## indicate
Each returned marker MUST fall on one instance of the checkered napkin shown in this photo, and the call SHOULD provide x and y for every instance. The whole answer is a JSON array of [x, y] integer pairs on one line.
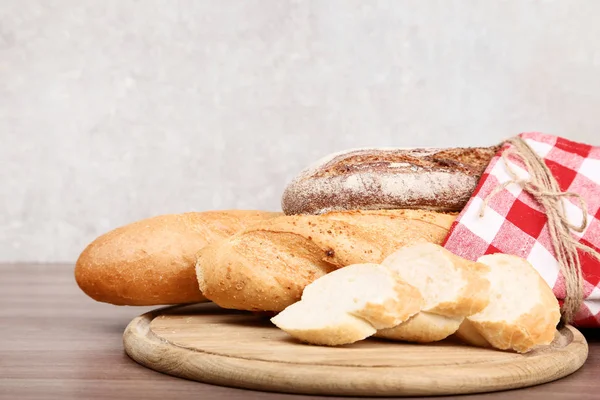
[[515, 223]]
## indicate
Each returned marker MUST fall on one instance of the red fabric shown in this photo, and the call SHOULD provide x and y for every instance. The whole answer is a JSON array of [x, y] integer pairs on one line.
[[514, 222]]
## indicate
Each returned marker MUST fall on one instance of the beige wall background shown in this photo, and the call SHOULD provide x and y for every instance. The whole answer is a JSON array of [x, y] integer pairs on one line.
[[112, 111]]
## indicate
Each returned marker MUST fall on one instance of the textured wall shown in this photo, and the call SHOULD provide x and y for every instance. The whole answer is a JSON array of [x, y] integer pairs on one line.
[[111, 111]]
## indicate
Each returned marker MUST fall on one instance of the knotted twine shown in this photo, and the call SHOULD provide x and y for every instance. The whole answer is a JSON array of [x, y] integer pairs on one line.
[[545, 190]]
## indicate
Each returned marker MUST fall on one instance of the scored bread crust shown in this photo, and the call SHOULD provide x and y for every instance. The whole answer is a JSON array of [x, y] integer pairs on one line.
[[267, 266], [437, 179], [152, 261], [423, 327]]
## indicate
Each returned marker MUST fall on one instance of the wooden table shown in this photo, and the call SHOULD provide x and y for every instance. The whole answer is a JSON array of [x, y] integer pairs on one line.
[[57, 343]]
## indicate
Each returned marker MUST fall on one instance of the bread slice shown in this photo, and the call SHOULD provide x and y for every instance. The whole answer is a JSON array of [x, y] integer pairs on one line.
[[304, 323], [451, 285], [350, 304], [523, 312], [423, 327], [452, 288]]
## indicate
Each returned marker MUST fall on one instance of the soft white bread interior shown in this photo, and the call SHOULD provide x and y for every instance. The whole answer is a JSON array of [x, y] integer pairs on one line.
[[350, 304], [452, 288], [523, 312]]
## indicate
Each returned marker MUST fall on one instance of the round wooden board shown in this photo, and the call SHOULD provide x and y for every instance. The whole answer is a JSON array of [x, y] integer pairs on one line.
[[223, 347]]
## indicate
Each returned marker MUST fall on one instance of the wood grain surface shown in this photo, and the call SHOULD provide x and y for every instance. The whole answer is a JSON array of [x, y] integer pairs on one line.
[[209, 344], [58, 344]]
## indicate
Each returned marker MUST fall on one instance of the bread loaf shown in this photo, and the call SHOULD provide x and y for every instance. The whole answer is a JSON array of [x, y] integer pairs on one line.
[[151, 262], [366, 179], [452, 288], [523, 312], [348, 305], [266, 267]]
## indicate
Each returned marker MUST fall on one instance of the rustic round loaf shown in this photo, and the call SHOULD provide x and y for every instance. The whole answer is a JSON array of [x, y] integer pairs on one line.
[[434, 179]]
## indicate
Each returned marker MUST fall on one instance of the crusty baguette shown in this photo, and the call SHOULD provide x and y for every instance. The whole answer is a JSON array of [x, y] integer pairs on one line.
[[266, 267], [348, 305], [436, 179], [453, 288], [151, 262], [523, 312]]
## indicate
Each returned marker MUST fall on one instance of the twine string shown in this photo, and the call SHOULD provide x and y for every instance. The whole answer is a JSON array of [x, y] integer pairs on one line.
[[544, 188]]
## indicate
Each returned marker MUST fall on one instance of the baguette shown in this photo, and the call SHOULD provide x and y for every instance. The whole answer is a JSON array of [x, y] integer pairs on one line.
[[523, 312], [434, 179], [266, 267], [349, 305], [151, 261]]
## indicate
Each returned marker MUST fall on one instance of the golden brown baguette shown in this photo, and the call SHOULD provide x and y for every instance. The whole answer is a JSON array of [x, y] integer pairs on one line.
[[266, 267], [151, 262]]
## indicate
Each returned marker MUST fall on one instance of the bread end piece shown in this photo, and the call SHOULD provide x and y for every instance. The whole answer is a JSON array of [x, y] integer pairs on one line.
[[523, 312], [151, 261]]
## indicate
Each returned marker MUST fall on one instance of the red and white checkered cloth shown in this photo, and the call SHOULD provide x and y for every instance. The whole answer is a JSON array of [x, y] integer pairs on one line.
[[514, 222]]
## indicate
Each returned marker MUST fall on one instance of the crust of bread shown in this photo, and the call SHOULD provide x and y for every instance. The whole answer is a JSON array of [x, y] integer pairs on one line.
[[151, 261], [534, 328], [393, 312], [259, 271], [376, 178], [468, 334], [423, 327], [266, 267], [475, 295]]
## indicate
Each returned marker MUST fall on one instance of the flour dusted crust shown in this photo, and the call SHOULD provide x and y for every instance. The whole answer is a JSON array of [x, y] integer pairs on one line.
[[387, 178]]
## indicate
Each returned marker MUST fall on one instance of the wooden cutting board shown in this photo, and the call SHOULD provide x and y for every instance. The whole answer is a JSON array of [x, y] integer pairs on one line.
[[229, 348]]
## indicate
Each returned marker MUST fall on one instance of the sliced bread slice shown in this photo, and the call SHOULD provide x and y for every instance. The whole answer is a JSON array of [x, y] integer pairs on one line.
[[350, 304], [312, 323], [451, 285], [452, 288], [523, 312], [423, 327]]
